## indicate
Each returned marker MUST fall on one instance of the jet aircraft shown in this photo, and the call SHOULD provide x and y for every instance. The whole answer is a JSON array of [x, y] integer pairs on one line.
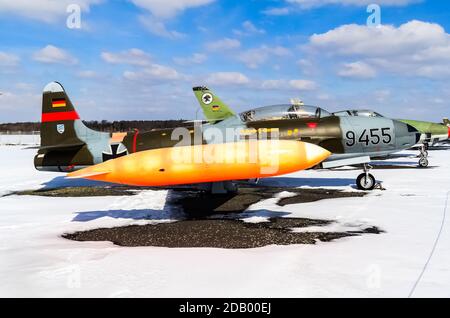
[[152, 158]]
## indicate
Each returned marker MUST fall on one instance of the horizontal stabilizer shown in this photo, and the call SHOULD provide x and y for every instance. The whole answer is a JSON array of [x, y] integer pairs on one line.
[[62, 146]]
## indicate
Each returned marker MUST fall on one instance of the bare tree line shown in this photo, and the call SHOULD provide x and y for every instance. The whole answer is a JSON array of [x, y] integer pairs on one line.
[[103, 125]]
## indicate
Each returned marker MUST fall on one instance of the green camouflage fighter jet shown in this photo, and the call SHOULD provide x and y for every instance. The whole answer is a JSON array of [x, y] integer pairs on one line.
[[352, 140], [431, 133]]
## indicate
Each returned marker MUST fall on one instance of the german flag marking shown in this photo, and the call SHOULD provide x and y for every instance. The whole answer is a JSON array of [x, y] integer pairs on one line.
[[60, 102], [215, 107]]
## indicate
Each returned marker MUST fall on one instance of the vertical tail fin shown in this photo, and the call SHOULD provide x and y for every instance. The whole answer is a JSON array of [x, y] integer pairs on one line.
[[60, 123], [58, 117], [65, 141], [213, 108]]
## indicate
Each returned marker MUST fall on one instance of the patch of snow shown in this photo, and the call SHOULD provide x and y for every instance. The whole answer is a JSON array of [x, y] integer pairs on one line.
[[36, 261]]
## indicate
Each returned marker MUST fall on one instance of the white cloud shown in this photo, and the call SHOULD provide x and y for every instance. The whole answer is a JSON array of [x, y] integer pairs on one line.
[[385, 40], [169, 8], [223, 44], [414, 48], [161, 10], [293, 84], [248, 28], [7, 59], [253, 58], [273, 84], [27, 101], [158, 27], [382, 95], [155, 72], [54, 55], [132, 57], [358, 70], [277, 11], [43, 10], [306, 66], [303, 85], [87, 74], [295, 5], [146, 68], [305, 4], [24, 86], [196, 58], [324, 97], [227, 78]]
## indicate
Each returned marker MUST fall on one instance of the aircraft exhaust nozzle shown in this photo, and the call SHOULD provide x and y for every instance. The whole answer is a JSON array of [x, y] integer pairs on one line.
[[207, 163]]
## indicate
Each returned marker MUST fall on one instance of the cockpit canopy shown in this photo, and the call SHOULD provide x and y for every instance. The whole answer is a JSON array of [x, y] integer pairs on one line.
[[285, 111], [358, 112]]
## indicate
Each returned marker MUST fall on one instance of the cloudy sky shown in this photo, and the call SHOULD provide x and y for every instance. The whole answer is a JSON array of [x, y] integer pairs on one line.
[[138, 59]]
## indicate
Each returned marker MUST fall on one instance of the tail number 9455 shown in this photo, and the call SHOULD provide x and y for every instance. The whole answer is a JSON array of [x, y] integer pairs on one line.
[[373, 136]]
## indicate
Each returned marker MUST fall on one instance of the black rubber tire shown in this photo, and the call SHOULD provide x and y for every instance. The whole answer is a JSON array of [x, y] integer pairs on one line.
[[364, 184], [423, 162]]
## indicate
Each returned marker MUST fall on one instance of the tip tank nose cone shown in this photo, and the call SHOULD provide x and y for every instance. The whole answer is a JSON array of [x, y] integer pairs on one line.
[[315, 154]]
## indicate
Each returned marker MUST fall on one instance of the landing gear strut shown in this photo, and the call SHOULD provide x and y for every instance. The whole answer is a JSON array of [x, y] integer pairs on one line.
[[366, 181], [423, 161]]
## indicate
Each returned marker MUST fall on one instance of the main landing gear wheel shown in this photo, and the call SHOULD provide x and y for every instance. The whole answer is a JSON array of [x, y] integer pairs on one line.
[[365, 181], [423, 162]]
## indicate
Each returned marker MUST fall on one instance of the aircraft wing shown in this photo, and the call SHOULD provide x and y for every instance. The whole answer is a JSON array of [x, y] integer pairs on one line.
[[345, 162]]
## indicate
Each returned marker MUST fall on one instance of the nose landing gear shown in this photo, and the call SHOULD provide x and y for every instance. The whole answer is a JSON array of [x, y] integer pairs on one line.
[[423, 161], [366, 181]]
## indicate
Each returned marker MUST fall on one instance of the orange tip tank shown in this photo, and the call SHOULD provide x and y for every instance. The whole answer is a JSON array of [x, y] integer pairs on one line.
[[207, 163]]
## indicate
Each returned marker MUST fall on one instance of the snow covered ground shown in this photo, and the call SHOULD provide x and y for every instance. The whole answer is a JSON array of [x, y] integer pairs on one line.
[[19, 139], [36, 261]]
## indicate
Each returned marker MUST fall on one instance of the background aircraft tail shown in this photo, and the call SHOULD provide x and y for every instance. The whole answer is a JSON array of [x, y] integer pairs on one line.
[[213, 108]]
